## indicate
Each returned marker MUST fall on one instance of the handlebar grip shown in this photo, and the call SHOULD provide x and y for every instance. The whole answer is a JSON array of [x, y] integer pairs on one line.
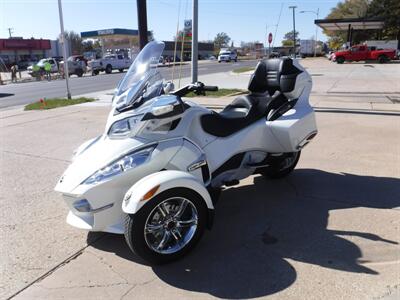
[[210, 88]]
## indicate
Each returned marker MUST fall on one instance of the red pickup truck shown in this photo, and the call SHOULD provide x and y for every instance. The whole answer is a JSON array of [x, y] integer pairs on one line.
[[362, 52]]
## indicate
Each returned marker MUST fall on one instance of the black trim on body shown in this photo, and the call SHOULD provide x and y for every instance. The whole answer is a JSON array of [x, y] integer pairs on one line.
[[231, 164]]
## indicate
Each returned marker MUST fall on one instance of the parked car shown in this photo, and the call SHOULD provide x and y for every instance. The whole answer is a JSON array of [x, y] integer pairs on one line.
[[274, 55], [77, 65], [109, 63], [363, 53], [227, 55], [51, 60]]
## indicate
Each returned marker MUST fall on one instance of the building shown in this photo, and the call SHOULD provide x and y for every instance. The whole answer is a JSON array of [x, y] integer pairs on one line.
[[127, 40], [205, 49], [116, 40], [21, 51]]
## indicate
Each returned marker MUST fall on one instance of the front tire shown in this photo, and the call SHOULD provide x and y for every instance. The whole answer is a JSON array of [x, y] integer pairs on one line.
[[108, 69], [281, 166], [168, 226]]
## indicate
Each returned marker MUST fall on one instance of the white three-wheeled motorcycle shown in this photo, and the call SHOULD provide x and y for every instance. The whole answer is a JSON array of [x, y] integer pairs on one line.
[[155, 172]]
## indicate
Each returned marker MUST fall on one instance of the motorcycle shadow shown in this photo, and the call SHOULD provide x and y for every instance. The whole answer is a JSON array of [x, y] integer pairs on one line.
[[259, 226]]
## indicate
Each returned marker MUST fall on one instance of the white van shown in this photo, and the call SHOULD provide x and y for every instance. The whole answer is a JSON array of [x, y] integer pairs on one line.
[[227, 55]]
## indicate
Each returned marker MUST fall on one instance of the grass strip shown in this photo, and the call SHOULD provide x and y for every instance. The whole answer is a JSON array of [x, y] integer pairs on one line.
[[56, 102]]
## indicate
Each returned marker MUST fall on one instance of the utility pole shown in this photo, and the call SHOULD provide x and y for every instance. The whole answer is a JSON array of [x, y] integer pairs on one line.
[[142, 22], [10, 31], [294, 30], [66, 73], [195, 39]]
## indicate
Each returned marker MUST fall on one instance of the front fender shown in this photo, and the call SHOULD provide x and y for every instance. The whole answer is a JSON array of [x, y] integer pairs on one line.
[[166, 180]]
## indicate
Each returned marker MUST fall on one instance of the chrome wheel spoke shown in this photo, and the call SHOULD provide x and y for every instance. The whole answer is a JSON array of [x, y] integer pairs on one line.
[[163, 209], [152, 228], [181, 209], [187, 223], [176, 234], [164, 240]]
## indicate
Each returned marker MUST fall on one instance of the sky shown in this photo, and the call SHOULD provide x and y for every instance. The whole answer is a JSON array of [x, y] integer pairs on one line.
[[242, 20]]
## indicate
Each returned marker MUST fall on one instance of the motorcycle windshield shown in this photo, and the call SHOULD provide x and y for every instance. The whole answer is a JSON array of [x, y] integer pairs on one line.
[[142, 78]]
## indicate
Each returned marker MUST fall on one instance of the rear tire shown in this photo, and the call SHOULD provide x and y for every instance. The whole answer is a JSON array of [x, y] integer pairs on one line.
[[149, 217], [340, 60], [79, 73], [383, 59], [281, 166]]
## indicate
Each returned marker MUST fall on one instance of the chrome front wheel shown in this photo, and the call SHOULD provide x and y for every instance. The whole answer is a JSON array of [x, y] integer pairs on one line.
[[167, 226], [171, 225]]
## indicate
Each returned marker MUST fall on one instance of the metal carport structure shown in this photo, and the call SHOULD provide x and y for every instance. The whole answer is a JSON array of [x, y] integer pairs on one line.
[[350, 24]]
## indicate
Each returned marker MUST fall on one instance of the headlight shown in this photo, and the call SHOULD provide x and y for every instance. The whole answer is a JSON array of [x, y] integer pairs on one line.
[[122, 127], [123, 164]]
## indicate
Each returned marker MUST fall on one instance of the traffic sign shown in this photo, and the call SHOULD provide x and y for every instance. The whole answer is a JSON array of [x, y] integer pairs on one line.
[[188, 25], [270, 38]]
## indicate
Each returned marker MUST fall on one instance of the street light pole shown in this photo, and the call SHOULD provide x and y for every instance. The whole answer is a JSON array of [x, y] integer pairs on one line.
[[316, 28], [66, 73], [195, 40], [294, 30]]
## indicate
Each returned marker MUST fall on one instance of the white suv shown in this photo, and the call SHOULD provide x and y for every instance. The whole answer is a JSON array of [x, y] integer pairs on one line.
[[227, 56]]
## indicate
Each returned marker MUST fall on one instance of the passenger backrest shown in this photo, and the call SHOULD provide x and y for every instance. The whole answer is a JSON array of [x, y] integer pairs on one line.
[[271, 75]]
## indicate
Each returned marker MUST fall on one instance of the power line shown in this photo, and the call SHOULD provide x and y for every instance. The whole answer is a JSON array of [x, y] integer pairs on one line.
[[277, 25]]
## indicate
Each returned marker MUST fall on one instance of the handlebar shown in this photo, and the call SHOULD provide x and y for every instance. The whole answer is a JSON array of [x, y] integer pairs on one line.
[[198, 88]]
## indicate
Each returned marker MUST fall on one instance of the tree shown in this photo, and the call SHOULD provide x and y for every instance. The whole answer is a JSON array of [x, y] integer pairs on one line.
[[288, 38], [221, 40], [75, 41], [389, 11]]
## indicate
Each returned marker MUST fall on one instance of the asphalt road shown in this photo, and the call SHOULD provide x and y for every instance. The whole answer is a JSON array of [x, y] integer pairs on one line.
[[21, 94]]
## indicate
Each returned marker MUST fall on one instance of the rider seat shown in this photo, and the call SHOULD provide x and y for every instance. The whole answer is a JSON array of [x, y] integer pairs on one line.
[[266, 93]]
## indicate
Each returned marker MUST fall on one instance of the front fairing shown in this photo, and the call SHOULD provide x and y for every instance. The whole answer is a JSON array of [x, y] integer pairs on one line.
[[142, 83], [98, 154]]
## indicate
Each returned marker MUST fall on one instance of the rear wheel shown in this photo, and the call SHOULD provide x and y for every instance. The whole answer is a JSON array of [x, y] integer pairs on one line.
[[382, 59], [120, 70], [167, 226], [79, 73], [281, 166], [340, 60]]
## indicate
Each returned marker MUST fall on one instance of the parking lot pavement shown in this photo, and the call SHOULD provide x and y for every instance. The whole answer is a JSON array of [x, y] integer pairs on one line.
[[328, 231]]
